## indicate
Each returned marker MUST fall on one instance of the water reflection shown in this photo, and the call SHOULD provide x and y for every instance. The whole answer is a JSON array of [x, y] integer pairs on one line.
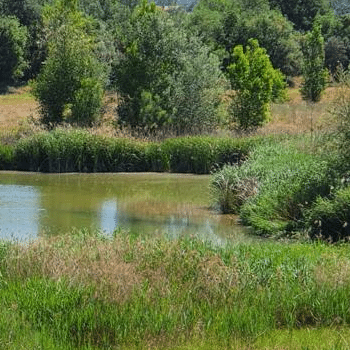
[[174, 205], [109, 216], [20, 211]]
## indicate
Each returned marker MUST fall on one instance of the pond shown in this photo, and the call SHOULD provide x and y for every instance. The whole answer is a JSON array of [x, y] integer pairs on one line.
[[34, 204]]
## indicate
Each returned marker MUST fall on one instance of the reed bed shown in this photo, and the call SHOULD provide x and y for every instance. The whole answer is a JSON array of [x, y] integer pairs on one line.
[[78, 150]]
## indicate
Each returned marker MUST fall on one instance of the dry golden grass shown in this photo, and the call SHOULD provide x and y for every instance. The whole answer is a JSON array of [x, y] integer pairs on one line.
[[333, 272], [114, 267], [19, 115], [297, 116], [90, 262]]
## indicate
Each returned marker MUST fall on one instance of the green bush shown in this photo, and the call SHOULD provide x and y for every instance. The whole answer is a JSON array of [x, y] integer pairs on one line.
[[168, 78], [256, 84], [70, 85], [271, 189], [329, 218], [13, 44]]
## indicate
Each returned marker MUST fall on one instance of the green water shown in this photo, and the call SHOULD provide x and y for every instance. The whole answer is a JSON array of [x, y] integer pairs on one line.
[[33, 204]]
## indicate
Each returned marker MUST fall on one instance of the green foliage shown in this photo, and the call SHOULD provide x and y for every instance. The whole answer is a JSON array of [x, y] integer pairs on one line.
[[202, 154], [335, 54], [273, 32], [314, 74], [256, 84], [168, 77], [78, 150], [13, 44], [329, 218], [236, 291], [271, 189], [6, 157], [71, 74], [231, 187], [27, 11], [302, 13]]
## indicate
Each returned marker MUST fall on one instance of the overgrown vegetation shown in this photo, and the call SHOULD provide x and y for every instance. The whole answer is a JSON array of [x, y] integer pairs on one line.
[[128, 291], [75, 150]]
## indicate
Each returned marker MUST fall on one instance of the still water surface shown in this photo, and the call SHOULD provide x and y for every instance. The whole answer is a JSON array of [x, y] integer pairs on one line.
[[33, 204]]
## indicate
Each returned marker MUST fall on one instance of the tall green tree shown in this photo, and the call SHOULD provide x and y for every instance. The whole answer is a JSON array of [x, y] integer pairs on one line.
[[256, 84], [167, 76], [13, 44], [302, 13], [273, 31], [70, 85], [315, 76]]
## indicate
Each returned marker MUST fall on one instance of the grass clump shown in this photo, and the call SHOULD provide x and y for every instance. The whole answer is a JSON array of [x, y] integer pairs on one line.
[[89, 291], [202, 154]]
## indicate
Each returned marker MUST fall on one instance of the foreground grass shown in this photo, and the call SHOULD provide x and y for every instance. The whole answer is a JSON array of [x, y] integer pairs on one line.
[[91, 292]]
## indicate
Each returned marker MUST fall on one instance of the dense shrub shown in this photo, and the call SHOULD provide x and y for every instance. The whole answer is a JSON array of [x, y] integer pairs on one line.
[[283, 181], [168, 78], [329, 218], [272, 30], [13, 44], [256, 84], [70, 85]]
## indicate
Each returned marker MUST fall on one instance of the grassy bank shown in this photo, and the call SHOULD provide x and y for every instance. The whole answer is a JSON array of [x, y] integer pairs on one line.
[[76, 150], [274, 190], [88, 291]]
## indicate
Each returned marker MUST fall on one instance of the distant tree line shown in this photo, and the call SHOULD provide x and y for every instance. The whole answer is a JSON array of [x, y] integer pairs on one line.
[[170, 68]]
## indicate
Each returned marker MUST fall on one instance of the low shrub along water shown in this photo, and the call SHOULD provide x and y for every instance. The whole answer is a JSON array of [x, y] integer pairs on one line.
[[272, 189], [88, 290], [330, 217]]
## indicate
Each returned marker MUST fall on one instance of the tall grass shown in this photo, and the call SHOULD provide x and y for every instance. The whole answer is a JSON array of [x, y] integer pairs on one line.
[[77, 150], [88, 291], [274, 186]]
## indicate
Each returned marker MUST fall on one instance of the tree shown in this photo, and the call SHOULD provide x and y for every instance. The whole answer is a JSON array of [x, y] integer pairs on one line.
[[13, 43], [315, 76], [167, 77], [273, 32], [70, 85], [256, 83], [301, 12]]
